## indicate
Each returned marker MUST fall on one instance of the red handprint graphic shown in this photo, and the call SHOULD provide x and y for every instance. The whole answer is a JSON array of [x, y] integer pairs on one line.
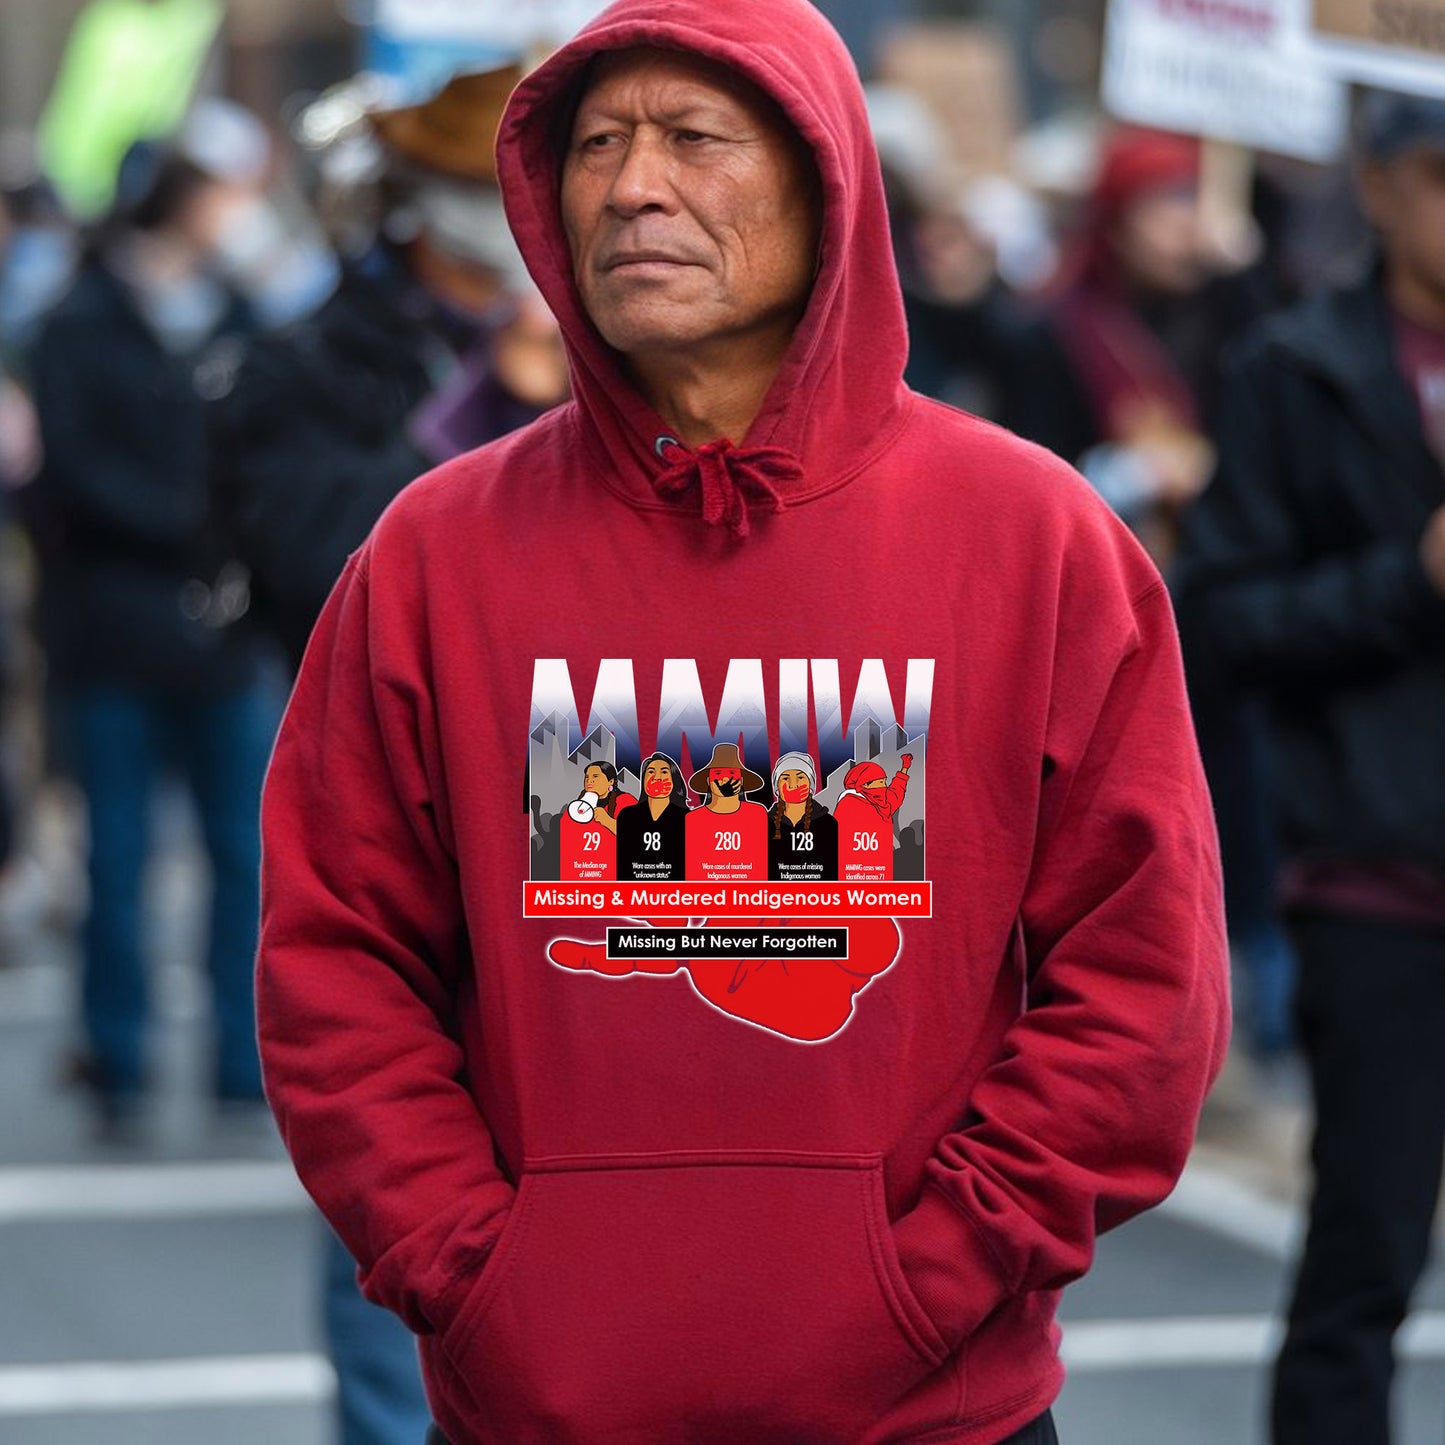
[[803, 999]]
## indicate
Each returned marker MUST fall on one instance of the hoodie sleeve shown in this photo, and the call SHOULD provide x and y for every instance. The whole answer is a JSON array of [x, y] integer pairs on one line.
[[1088, 1112], [363, 944]]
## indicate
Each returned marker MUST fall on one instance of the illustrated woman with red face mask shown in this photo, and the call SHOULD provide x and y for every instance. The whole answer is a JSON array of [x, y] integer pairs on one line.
[[652, 837], [802, 833]]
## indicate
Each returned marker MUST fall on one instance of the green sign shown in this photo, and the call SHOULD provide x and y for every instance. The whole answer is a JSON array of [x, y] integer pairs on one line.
[[129, 73]]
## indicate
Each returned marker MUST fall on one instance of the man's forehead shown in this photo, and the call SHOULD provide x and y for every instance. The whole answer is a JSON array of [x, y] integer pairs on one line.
[[688, 78]]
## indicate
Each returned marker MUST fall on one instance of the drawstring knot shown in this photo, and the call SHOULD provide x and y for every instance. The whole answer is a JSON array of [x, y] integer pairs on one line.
[[727, 476]]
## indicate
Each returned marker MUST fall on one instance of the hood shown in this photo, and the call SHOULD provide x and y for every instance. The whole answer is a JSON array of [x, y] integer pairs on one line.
[[858, 777], [838, 399]]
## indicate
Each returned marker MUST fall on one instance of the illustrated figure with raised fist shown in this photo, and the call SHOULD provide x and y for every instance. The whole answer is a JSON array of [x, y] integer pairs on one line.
[[865, 815]]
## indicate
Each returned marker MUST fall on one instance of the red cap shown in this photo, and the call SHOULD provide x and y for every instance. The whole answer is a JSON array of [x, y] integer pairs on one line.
[[1136, 163]]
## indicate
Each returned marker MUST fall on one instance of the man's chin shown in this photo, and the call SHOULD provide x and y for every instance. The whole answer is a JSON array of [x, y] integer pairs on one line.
[[656, 319]]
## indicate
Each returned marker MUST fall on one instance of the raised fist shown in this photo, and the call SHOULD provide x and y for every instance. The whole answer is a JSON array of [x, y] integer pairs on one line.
[[907, 761]]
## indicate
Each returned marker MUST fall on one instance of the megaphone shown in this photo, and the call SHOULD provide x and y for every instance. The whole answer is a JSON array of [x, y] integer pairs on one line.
[[580, 810]]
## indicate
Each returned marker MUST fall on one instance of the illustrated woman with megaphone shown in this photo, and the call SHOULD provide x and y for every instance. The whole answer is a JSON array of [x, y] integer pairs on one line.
[[600, 799], [589, 828]]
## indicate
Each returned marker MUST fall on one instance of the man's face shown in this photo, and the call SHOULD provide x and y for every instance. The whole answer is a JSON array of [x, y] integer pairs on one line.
[[876, 783], [1405, 198], [690, 207]]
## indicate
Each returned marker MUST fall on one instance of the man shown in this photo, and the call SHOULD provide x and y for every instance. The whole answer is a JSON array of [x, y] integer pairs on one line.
[[701, 1194], [1316, 564]]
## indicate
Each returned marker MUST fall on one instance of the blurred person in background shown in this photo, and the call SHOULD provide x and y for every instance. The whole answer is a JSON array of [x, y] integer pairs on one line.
[[39, 249], [1120, 377], [33, 276], [142, 612], [1120, 362], [1316, 560], [432, 344], [965, 329], [270, 249], [19, 458]]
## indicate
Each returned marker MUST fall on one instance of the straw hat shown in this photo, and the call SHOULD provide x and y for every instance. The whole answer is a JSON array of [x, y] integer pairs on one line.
[[724, 755], [455, 132]]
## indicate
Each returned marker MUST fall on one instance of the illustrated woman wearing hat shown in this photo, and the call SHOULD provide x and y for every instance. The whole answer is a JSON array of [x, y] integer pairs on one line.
[[727, 838]]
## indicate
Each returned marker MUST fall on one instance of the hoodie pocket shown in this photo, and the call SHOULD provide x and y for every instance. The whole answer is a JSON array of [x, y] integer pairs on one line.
[[675, 1297]]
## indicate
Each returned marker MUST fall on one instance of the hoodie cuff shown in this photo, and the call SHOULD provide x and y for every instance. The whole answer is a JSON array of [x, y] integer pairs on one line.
[[428, 1298], [953, 1273]]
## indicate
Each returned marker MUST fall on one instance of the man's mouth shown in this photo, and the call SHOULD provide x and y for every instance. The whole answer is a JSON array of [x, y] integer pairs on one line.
[[643, 258]]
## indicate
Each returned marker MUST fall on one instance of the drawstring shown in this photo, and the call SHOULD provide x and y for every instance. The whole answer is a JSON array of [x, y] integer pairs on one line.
[[726, 476]]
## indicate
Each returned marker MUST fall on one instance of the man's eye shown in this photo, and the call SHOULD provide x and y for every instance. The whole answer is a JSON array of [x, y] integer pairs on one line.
[[596, 142], [691, 137]]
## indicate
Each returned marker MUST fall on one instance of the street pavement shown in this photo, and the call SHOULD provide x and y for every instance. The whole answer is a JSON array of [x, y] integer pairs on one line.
[[171, 1293]]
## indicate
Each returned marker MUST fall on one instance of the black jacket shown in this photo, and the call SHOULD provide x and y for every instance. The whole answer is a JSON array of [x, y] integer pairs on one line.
[[310, 440], [1301, 568], [121, 510], [652, 850]]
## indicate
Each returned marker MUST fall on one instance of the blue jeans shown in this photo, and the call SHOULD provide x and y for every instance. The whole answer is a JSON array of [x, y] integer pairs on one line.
[[380, 1399], [121, 737]]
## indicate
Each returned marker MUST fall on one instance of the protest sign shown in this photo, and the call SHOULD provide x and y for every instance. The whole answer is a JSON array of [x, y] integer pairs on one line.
[[1230, 70]]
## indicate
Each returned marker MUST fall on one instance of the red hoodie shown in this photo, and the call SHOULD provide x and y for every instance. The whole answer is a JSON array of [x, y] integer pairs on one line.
[[720, 1161]]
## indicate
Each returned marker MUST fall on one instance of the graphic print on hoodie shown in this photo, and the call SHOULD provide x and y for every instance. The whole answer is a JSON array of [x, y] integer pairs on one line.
[[805, 933], [640, 1208]]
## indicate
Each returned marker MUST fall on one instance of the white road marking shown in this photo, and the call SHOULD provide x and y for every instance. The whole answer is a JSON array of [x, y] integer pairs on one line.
[[1096, 1346], [46, 993], [104, 1386], [1090, 1347], [73, 1193], [1212, 1200]]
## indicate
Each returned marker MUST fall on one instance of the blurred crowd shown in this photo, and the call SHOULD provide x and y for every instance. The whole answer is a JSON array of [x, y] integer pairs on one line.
[[220, 364], [217, 371]]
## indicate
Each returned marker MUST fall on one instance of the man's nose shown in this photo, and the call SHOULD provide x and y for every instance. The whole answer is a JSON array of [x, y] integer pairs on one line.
[[643, 180]]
